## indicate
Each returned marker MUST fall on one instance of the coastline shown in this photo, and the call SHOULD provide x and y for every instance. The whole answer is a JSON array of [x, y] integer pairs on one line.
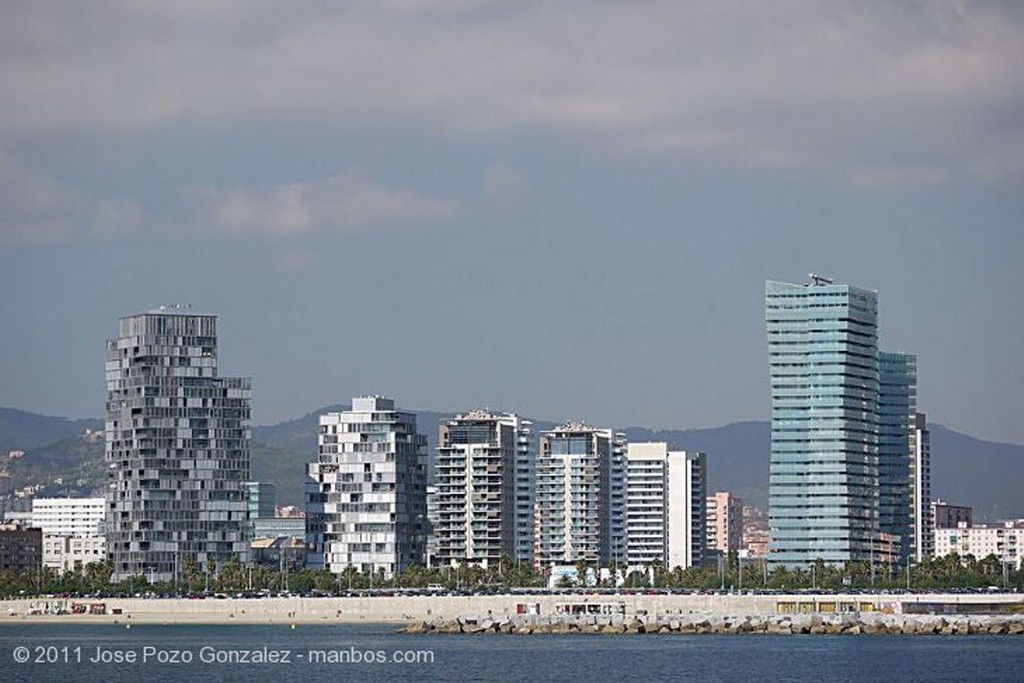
[[405, 610]]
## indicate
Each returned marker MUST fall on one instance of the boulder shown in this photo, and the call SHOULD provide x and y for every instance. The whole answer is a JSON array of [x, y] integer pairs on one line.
[[417, 627]]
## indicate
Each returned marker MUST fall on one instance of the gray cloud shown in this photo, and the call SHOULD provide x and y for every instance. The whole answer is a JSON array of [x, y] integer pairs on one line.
[[37, 209], [898, 91], [344, 203]]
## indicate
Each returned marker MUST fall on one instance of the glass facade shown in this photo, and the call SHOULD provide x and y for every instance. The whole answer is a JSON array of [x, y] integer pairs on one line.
[[823, 357]]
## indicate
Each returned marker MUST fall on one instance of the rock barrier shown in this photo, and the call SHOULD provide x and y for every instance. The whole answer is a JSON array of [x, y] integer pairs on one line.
[[858, 623]]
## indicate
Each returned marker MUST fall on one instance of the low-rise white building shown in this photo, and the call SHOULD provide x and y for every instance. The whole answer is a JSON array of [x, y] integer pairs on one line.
[[63, 553], [1005, 540], [72, 531], [69, 516]]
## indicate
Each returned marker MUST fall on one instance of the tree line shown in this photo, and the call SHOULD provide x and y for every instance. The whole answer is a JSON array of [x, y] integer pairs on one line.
[[950, 572]]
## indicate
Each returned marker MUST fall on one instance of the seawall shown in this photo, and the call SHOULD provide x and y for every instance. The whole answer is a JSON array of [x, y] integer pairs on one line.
[[406, 609]]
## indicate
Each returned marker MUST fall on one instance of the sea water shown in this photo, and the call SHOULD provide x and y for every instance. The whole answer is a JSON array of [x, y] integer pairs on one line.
[[284, 654]]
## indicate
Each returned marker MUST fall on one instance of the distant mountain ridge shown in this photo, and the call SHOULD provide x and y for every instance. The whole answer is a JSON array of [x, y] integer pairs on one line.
[[965, 470], [22, 430]]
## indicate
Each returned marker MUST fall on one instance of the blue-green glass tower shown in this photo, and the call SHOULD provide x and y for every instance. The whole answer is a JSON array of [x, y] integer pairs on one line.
[[823, 356], [897, 426]]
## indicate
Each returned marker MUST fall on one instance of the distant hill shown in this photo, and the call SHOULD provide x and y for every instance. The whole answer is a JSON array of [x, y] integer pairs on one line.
[[22, 430], [985, 474], [965, 470]]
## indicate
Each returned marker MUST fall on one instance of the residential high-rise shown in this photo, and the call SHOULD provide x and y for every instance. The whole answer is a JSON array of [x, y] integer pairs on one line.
[[664, 506], [921, 496], [366, 495], [823, 355], [580, 496], [526, 490], [897, 431], [480, 478], [724, 522], [177, 448]]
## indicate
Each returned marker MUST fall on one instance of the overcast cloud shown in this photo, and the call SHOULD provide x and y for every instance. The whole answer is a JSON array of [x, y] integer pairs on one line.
[[568, 208], [871, 93]]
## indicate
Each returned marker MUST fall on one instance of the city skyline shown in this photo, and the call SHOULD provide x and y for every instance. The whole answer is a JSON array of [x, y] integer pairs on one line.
[[593, 194]]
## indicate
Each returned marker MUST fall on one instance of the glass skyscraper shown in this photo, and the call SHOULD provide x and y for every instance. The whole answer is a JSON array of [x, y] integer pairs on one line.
[[823, 356]]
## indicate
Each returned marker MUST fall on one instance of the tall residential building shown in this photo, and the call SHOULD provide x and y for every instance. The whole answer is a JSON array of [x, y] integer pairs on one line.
[[526, 490], [823, 355], [665, 493], [177, 448], [580, 496], [724, 522], [921, 496], [483, 475], [897, 431], [366, 495]]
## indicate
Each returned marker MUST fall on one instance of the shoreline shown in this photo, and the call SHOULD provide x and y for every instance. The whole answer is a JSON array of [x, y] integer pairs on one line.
[[405, 610]]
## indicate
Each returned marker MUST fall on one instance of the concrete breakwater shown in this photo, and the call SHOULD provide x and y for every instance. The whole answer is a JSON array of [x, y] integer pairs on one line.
[[694, 624]]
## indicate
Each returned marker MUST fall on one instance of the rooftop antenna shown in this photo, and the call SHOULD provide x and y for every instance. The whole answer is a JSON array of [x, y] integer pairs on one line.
[[818, 280]]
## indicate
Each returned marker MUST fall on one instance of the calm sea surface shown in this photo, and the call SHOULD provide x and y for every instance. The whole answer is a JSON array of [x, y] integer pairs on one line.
[[326, 653]]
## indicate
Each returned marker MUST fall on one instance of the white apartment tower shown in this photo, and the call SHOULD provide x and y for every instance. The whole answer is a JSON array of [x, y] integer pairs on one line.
[[664, 506], [483, 475], [580, 496], [177, 448], [366, 495]]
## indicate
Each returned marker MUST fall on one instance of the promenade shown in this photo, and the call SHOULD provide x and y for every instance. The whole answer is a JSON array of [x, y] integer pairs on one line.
[[405, 609]]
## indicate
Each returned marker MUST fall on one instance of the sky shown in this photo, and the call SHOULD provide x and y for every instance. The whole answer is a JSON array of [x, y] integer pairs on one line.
[[567, 209]]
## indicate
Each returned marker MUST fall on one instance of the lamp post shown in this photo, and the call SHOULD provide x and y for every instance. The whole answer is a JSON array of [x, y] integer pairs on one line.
[[872, 560]]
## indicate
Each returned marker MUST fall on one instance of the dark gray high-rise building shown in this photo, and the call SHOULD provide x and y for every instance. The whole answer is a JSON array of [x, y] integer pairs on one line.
[[897, 435], [177, 448]]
